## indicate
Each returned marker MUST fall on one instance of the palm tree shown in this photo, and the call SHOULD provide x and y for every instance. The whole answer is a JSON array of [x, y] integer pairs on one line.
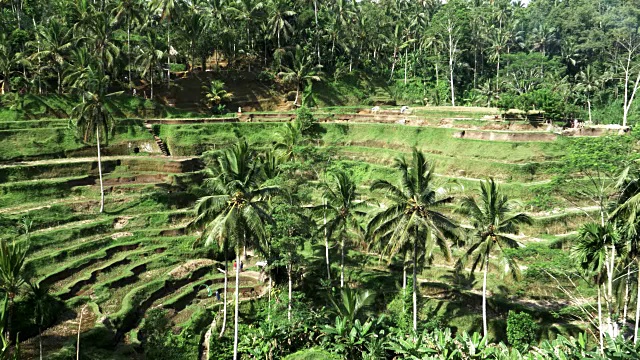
[[40, 299], [12, 276], [412, 216], [492, 220], [167, 9], [94, 113], [55, 40], [237, 211], [593, 257], [131, 11], [290, 137], [303, 70], [148, 60], [279, 14], [215, 96], [588, 82], [343, 209]]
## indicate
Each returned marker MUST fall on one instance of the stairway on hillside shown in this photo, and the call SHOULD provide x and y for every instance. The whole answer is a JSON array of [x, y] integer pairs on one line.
[[163, 147]]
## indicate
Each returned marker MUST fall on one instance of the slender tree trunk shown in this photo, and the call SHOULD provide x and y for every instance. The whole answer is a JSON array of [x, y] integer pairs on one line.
[[415, 284], [484, 296], [226, 289], [498, 74], [295, 102], [600, 326], [151, 85], [79, 328], [635, 329], [290, 291], [100, 170], [626, 296], [342, 263], [404, 282], [235, 330], [168, 56], [326, 241], [589, 107], [129, 48], [405, 66], [40, 340]]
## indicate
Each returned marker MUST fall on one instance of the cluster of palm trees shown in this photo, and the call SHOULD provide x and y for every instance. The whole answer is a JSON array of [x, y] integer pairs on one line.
[[408, 221], [607, 251], [461, 45]]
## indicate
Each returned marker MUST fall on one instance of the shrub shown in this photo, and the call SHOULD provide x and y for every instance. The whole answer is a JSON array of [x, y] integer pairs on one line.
[[521, 329], [306, 120]]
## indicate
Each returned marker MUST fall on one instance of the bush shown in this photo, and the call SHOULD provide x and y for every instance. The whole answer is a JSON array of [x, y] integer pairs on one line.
[[305, 118], [521, 329]]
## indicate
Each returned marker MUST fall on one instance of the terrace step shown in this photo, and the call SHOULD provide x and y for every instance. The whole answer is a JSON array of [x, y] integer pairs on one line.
[[163, 147]]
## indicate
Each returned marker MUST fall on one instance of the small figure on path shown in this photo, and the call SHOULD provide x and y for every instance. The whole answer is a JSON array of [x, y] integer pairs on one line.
[[375, 109], [404, 109]]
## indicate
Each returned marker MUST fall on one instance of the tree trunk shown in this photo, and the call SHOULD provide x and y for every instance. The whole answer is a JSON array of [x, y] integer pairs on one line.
[[79, 328], [326, 242], [295, 102], [484, 296], [498, 74], [168, 58], [100, 170], [415, 285], [635, 330], [129, 48], [589, 107], [290, 291], [626, 296], [235, 320], [226, 289], [600, 332], [40, 340], [151, 85], [342, 263], [405, 66]]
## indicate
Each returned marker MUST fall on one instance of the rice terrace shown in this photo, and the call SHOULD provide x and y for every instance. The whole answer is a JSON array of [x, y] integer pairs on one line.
[[288, 179]]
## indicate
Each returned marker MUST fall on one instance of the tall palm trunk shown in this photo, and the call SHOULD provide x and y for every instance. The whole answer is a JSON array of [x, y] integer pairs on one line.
[[168, 56], [415, 283], [484, 296], [600, 332], [100, 170], [226, 289], [237, 294], [635, 330], [342, 263], [129, 47], [290, 291], [589, 108], [626, 295], [326, 241]]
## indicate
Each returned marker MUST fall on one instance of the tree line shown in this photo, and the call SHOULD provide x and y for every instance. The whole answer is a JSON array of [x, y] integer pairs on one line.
[[568, 57]]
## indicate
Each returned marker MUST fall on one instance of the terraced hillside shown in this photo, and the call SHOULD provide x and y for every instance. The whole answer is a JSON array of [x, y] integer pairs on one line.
[[110, 269]]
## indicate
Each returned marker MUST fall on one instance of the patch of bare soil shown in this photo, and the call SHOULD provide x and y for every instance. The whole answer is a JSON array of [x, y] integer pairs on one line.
[[121, 222], [188, 267], [119, 235]]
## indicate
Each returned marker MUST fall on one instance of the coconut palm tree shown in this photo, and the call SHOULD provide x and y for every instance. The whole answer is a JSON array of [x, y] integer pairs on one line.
[[12, 274], [94, 113], [131, 12], [593, 258], [411, 217], [237, 211], [343, 209], [290, 137], [148, 60], [302, 71], [278, 21], [492, 218], [55, 41], [215, 96]]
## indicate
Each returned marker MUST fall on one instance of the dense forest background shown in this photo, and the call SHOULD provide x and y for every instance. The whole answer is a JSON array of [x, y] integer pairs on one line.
[[569, 58]]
